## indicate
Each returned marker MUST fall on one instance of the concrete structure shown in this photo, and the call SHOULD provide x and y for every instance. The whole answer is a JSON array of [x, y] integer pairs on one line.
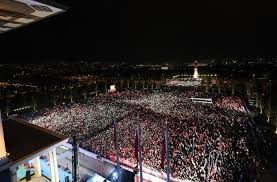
[[25, 142], [3, 152], [14, 14]]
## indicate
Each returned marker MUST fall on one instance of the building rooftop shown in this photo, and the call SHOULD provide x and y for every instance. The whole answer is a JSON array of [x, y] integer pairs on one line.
[[24, 139], [14, 14]]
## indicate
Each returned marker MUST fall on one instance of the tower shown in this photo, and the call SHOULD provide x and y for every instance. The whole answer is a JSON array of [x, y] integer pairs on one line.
[[195, 65]]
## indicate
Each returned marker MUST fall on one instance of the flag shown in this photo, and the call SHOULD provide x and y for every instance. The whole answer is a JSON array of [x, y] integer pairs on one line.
[[114, 136], [116, 144], [136, 147], [163, 153], [138, 134]]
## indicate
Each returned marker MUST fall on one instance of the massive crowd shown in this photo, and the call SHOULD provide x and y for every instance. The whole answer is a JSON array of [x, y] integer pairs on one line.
[[231, 103], [185, 82], [208, 142]]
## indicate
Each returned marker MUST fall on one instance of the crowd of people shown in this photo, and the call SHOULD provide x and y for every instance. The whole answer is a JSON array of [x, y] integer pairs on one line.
[[185, 82], [208, 142], [231, 103]]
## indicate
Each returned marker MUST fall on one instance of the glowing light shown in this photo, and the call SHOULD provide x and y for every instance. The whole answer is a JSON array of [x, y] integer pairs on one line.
[[114, 175], [97, 178], [195, 74], [63, 147], [112, 88]]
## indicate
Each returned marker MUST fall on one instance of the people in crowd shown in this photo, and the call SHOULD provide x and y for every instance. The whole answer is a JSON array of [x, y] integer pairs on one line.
[[207, 142]]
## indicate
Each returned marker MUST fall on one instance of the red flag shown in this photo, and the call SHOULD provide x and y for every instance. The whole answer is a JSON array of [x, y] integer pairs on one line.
[[163, 153], [136, 147]]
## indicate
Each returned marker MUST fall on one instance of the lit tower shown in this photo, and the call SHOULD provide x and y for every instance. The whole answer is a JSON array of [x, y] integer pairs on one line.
[[195, 65]]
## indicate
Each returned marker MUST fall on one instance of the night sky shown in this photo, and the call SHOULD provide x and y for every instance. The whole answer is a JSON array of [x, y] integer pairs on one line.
[[136, 30]]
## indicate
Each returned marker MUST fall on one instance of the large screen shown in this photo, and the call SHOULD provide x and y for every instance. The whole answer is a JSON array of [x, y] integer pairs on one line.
[[17, 13], [112, 88]]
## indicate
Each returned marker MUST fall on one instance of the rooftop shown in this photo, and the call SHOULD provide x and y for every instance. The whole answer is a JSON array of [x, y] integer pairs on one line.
[[24, 139], [14, 14]]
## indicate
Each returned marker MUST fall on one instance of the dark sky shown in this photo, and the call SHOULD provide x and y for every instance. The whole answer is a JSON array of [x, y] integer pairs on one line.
[[150, 29]]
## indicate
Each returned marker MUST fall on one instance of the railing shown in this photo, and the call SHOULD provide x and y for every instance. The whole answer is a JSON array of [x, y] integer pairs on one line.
[[202, 100]]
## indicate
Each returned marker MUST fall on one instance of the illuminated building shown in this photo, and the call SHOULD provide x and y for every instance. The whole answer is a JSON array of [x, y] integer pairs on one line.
[[195, 65]]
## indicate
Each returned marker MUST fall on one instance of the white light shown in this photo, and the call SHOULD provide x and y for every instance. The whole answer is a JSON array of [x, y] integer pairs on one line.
[[112, 88], [195, 75], [114, 175], [97, 178], [63, 147]]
